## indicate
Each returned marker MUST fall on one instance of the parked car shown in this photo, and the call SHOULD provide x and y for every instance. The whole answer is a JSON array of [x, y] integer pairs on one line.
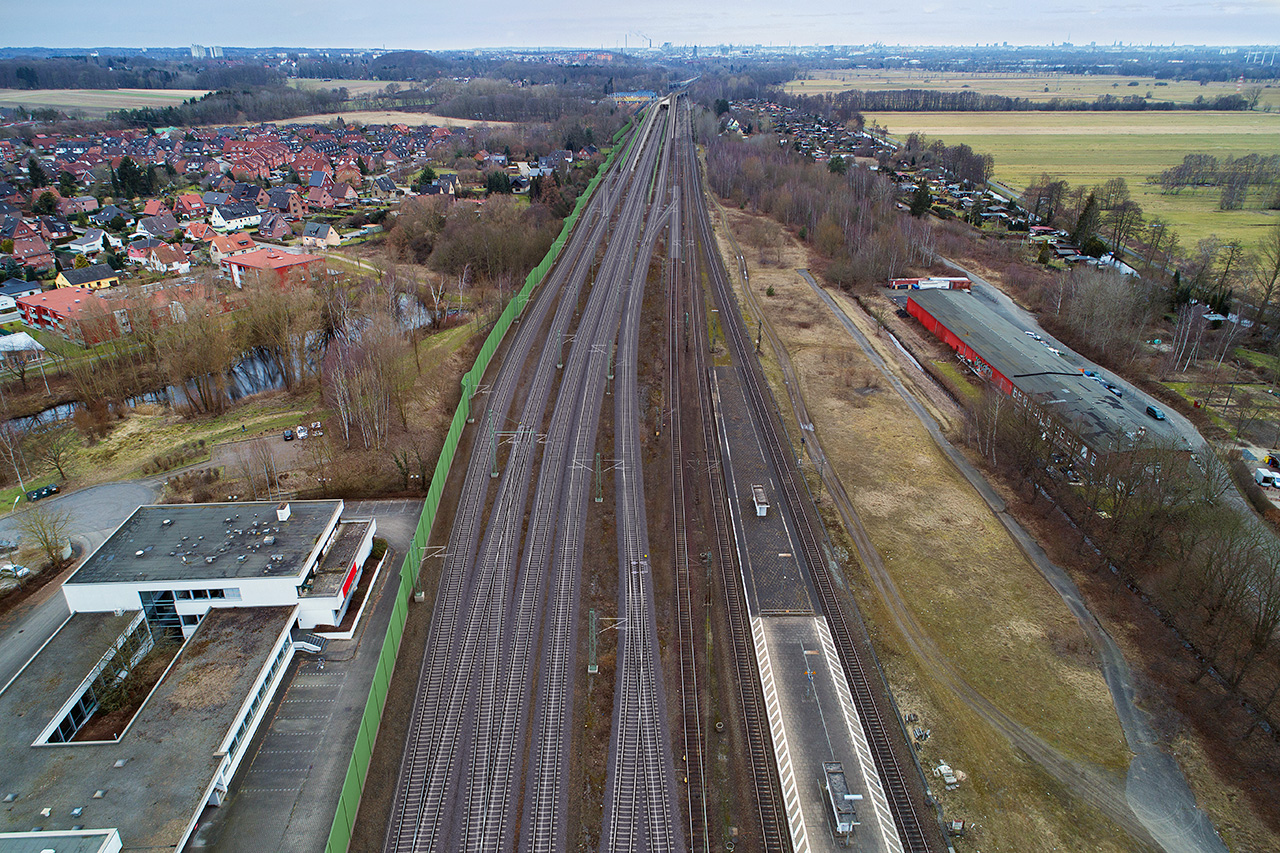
[[1115, 389], [300, 432], [288, 435], [1155, 412]]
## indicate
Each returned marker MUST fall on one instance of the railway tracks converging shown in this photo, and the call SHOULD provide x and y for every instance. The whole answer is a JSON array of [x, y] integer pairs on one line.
[[489, 750]]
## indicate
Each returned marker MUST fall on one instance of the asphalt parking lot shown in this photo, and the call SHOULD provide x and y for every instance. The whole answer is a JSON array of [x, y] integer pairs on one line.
[[287, 789]]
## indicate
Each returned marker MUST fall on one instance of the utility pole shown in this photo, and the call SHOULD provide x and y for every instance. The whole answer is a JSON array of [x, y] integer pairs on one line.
[[592, 667], [599, 480], [493, 447]]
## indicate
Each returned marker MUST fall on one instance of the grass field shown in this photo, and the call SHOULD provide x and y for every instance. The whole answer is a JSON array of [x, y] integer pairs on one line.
[[1088, 148], [353, 87], [392, 117], [1035, 87], [96, 103]]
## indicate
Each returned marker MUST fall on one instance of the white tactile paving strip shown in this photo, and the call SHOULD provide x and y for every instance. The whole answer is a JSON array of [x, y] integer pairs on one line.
[[781, 750], [875, 792]]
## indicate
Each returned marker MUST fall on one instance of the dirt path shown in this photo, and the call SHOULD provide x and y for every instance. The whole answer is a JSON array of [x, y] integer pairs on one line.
[[1160, 805]]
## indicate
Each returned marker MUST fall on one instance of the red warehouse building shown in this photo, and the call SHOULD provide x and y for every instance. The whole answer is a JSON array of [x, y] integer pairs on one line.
[[1087, 414]]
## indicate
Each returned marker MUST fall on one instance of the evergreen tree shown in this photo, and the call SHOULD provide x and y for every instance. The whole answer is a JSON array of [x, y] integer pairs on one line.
[[497, 182], [1087, 224], [921, 200], [36, 173], [46, 204]]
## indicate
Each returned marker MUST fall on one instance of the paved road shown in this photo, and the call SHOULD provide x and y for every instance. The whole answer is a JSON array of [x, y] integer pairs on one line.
[[1155, 790], [95, 513]]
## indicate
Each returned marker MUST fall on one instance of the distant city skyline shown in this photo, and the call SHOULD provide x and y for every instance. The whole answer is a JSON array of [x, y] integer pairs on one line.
[[397, 24]]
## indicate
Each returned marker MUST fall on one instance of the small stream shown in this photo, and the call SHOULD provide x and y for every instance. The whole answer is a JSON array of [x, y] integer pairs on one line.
[[253, 374]]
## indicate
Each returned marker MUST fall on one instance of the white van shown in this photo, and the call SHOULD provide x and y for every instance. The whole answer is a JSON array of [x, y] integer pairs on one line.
[[1265, 476]]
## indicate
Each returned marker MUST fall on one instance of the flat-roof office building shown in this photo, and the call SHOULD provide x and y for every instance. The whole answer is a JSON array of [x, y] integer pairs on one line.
[[235, 583], [174, 562]]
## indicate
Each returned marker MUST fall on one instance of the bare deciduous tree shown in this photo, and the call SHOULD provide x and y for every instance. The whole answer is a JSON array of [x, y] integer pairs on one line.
[[55, 446], [45, 528]]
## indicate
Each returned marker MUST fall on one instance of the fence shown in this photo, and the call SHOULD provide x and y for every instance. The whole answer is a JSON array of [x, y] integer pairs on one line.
[[357, 770]]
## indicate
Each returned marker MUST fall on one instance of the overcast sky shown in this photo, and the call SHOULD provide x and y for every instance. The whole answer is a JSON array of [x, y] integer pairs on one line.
[[436, 25]]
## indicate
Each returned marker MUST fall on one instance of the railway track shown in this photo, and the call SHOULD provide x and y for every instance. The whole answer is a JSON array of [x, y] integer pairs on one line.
[[881, 741], [467, 736], [574, 438], [640, 806], [693, 358], [678, 294]]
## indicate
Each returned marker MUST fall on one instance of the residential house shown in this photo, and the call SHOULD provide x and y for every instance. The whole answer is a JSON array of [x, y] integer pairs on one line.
[[274, 227], [271, 264], [167, 258], [344, 193], [320, 178], [96, 277], [88, 244], [250, 193], [75, 313], [77, 205], [190, 206], [212, 199], [32, 252], [104, 217], [54, 228], [155, 207], [230, 245], [235, 216], [11, 290], [162, 225], [138, 249], [287, 202], [320, 197], [383, 187], [201, 232], [319, 235]]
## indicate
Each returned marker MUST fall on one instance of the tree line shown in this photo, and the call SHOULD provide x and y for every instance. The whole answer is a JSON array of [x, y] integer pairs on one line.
[[1164, 522], [135, 72], [930, 100], [235, 107], [1235, 176]]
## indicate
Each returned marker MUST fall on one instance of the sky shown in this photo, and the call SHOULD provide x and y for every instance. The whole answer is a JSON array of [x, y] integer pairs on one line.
[[437, 25]]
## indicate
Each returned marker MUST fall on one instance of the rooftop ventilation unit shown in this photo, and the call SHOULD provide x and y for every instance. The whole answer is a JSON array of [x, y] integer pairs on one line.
[[282, 511]]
